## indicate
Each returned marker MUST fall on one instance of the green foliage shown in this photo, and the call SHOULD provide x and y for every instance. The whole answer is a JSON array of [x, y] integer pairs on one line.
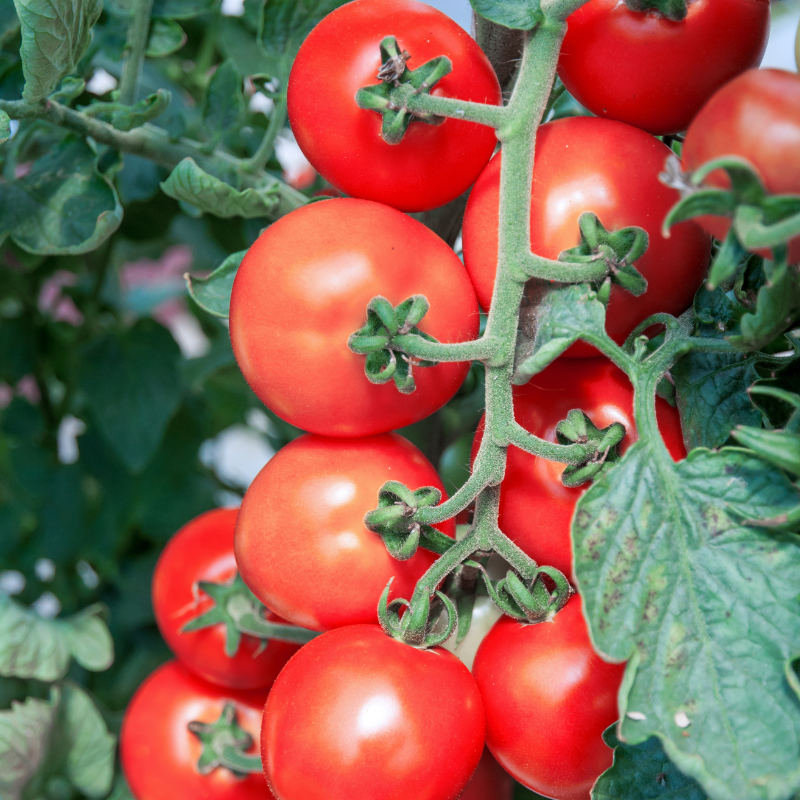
[[166, 37], [5, 127], [517, 14], [224, 106], [213, 293]]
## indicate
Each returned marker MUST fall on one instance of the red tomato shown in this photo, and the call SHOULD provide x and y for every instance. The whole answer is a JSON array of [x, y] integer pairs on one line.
[[358, 715], [303, 288], [159, 754], [548, 698], [308, 505], [590, 164], [433, 164], [535, 507], [490, 781], [202, 550], [642, 69], [756, 117]]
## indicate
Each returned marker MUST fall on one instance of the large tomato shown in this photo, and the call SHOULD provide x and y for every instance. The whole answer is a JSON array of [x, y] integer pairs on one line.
[[589, 164], [490, 781], [548, 698], [159, 754], [433, 164], [303, 288], [645, 70], [301, 544], [535, 507], [202, 550], [358, 715], [756, 117]]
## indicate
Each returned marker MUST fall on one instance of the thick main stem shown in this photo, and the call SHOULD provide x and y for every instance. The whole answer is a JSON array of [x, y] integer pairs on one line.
[[137, 44]]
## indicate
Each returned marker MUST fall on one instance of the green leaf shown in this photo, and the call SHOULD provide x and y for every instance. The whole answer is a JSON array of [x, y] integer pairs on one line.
[[129, 117], [5, 127], [182, 9], [224, 102], [190, 183], [166, 37], [242, 47], [24, 732], [213, 293], [55, 35], [644, 772], [704, 608], [33, 647], [521, 15], [133, 387], [63, 205]]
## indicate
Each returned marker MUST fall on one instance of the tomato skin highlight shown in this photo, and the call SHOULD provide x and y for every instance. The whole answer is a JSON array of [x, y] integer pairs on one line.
[[358, 715], [756, 117], [303, 288], [645, 70], [536, 509], [308, 505], [548, 698], [433, 164], [159, 754], [589, 164]]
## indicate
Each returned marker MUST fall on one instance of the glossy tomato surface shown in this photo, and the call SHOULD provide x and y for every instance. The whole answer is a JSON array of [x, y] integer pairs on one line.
[[433, 164], [643, 69], [535, 507], [202, 550], [303, 288], [301, 544], [490, 781], [358, 715], [158, 752], [756, 117], [589, 164], [548, 698]]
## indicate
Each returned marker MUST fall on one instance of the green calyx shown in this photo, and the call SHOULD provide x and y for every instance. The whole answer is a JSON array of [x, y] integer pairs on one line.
[[376, 341], [577, 428], [675, 10], [533, 601], [618, 249], [225, 744], [398, 84], [417, 624]]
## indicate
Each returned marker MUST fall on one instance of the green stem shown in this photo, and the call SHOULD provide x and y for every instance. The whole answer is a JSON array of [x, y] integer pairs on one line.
[[261, 156], [562, 453], [239, 762], [413, 345], [534, 266], [255, 625], [492, 116], [137, 44]]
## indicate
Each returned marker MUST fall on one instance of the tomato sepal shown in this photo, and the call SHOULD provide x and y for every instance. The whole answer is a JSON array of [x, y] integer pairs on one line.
[[674, 10], [532, 602], [578, 428], [225, 744], [415, 626]]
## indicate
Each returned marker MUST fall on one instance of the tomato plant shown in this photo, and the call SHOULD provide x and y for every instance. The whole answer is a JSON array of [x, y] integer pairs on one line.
[[350, 716], [588, 164], [648, 70], [436, 160], [548, 698]]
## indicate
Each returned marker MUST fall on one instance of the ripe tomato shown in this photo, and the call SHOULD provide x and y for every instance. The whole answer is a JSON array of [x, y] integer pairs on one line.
[[303, 288], [548, 698], [308, 506], [589, 164], [433, 164], [490, 781], [535, 507], [645, 70], [358, 715], [159, 754], [757, 117], [202, 550]]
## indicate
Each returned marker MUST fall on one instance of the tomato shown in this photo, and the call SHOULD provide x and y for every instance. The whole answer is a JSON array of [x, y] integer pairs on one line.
[[645, 70], [303, 288], [535, 507], [202, 550], [548, 698], [433, 164], [490, 781], [301, 544], [159, 754], [358, 715], [756, 117], [589, 164]]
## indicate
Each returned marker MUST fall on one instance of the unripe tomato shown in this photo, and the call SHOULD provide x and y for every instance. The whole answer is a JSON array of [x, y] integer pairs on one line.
[[536, 508], [303, 288], [358, 715], [308, 506], [589, 164], [643, 69], [548, 698], [202, 550], [434, 163]]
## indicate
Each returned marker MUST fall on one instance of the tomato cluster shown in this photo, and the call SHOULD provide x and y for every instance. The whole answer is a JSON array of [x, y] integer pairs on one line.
[[356, 713]]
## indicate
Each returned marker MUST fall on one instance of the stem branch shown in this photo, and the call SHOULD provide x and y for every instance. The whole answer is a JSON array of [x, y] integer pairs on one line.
[[137, 44]]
